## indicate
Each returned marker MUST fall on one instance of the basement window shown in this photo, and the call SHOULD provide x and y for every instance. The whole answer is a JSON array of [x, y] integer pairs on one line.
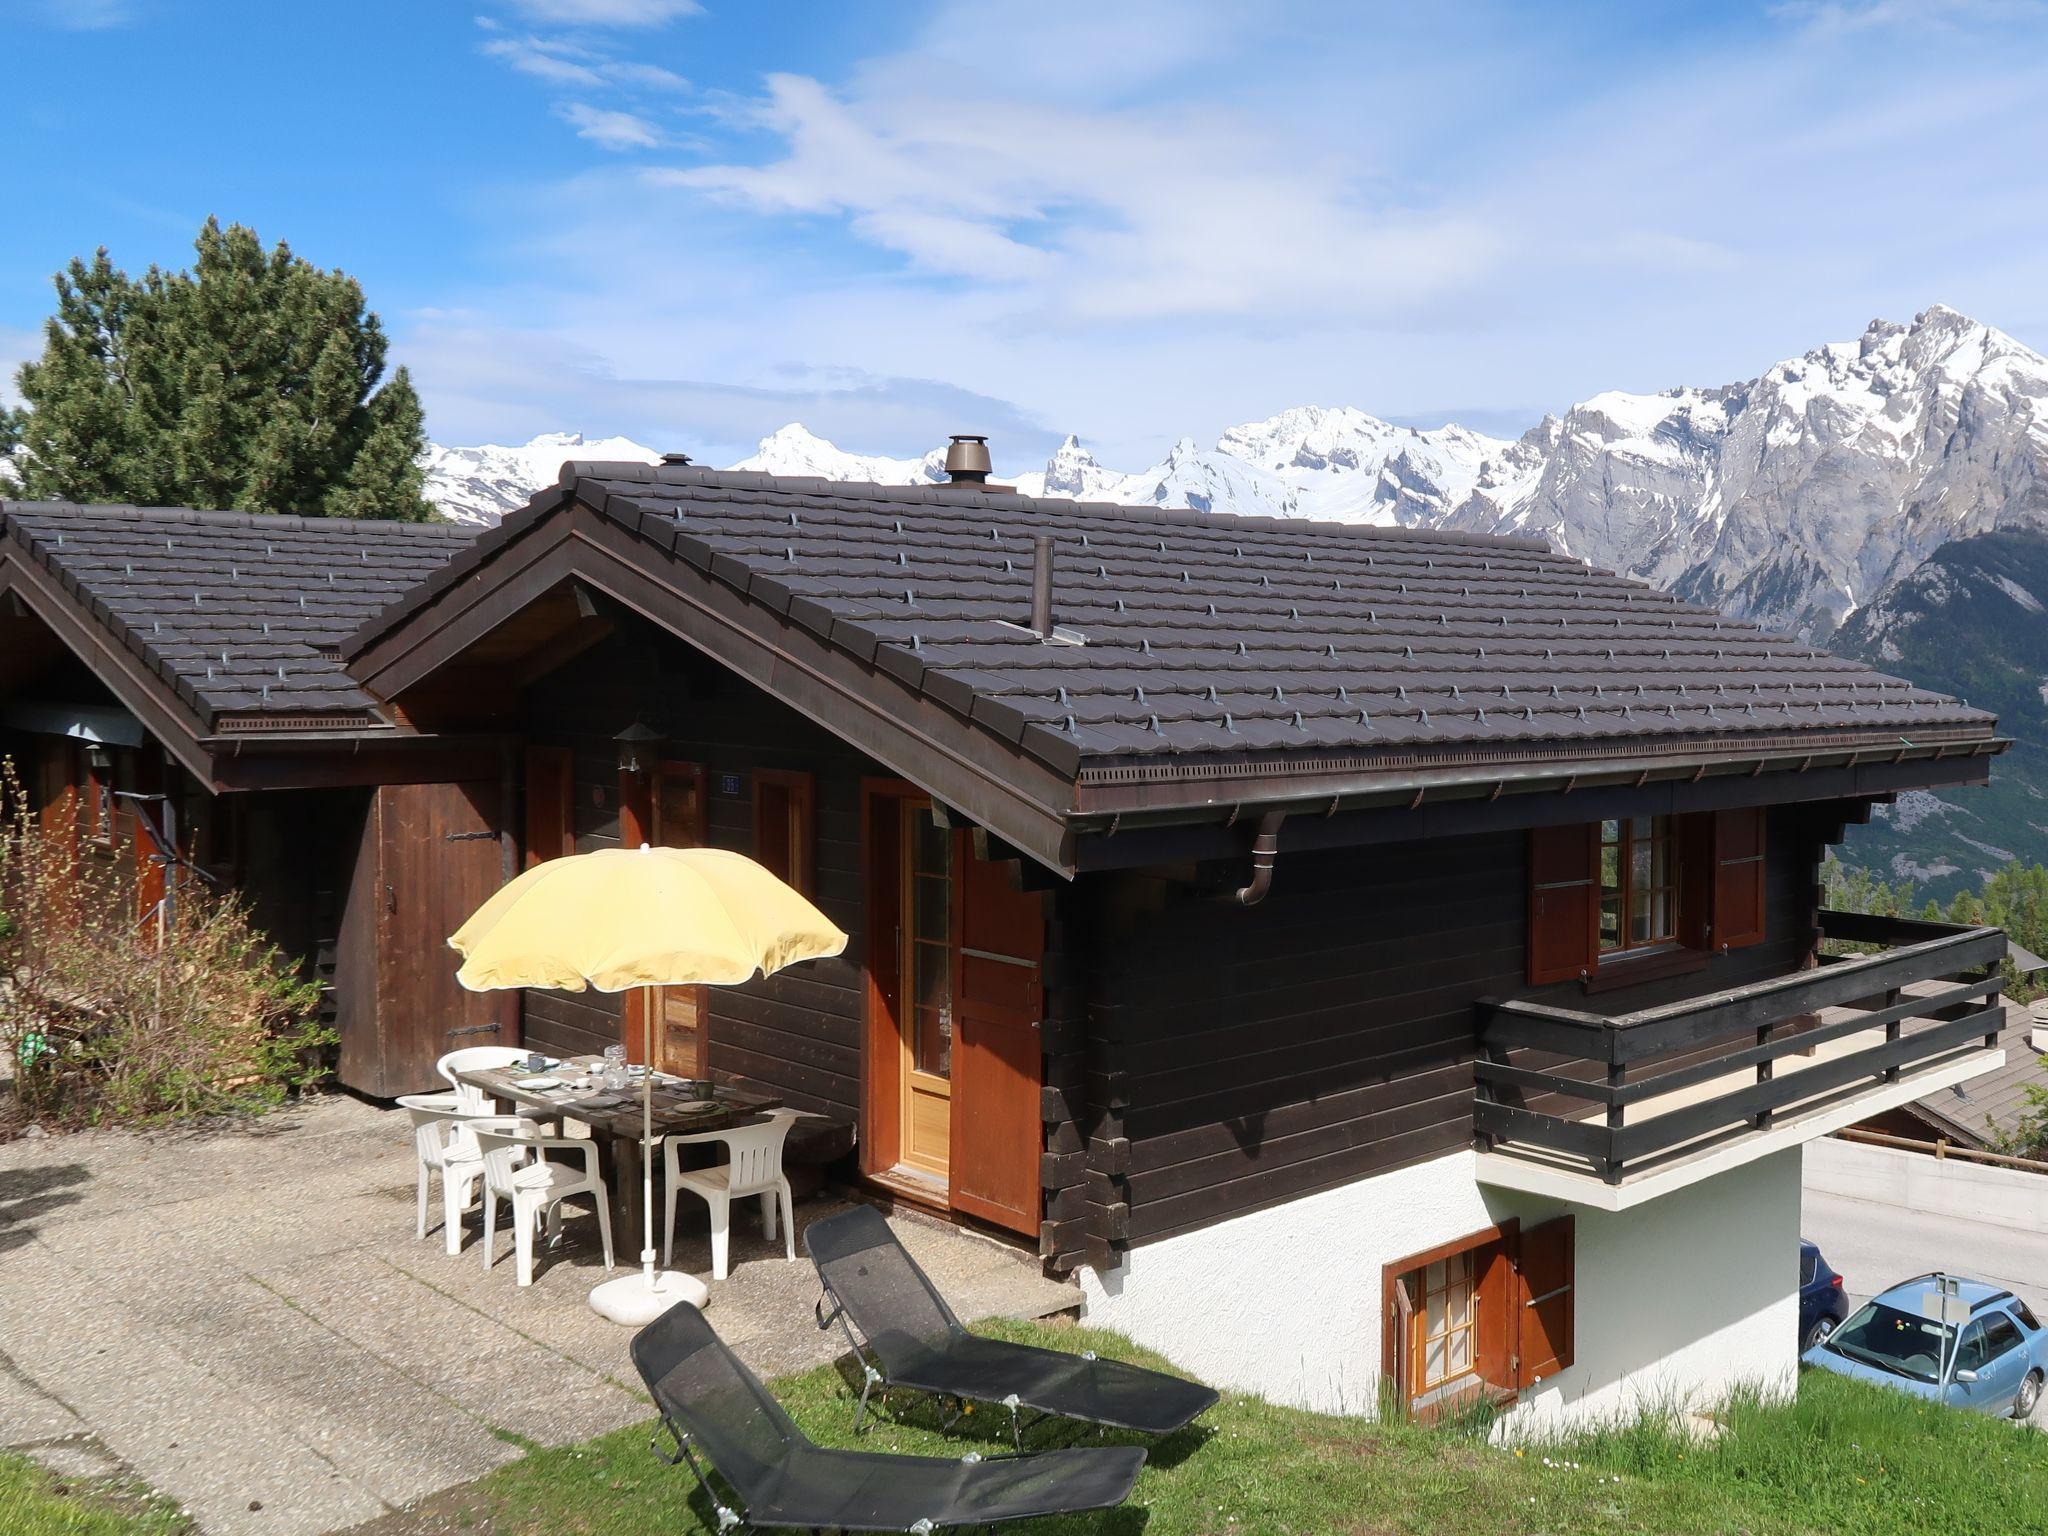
[[1487, 1316]]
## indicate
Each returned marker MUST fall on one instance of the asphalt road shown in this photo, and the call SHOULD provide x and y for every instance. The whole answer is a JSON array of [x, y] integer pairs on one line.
[[1875, 1246]]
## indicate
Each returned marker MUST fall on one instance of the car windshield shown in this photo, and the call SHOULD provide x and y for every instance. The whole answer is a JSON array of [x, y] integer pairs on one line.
[[1900, 1342]]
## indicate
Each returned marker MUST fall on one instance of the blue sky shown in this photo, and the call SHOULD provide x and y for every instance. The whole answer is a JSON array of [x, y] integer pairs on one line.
[[691, 223]]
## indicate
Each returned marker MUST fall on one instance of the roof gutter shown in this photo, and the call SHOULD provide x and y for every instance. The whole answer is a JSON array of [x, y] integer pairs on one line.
[[1234, 798]]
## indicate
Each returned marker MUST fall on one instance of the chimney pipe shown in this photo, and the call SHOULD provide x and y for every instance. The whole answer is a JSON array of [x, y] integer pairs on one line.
[[1041, 586], [675, 458], [967, 460]]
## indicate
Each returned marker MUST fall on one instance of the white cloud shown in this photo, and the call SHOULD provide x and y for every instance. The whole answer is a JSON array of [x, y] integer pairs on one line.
[[612, 130], [87, 15], [552, 62], [1132, 242], [610, 13], [1115, 210]]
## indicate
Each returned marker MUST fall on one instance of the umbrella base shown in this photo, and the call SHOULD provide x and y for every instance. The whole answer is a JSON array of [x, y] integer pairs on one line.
[[638, 1299]]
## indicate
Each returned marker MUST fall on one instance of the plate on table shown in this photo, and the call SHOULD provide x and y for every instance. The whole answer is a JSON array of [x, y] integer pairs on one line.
[[541, 1082]]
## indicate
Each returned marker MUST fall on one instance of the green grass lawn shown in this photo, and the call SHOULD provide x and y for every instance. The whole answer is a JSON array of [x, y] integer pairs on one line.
[[34, 1503], [1842, 1458]]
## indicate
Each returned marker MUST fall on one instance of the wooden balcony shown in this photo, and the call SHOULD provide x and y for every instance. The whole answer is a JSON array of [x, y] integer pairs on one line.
[[1646, 1101]]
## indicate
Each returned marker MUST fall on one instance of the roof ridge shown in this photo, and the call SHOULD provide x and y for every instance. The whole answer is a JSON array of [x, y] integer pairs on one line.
[[225, 517], [575, 470]]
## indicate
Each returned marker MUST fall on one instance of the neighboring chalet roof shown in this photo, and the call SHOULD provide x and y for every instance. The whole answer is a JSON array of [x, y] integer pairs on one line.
[[1994, 1101], [227, 621], [1206, 659]]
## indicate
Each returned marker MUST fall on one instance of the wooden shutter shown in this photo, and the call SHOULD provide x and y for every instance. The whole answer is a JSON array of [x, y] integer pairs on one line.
[[1545, 1300], [1564, 901], [996, 1131], [550, 804], [1738, 903], [1495, 1338]]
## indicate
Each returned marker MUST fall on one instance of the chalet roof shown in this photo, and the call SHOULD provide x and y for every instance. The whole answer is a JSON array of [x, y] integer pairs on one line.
[[234, 614], [1201, 637], [1994, 1101]]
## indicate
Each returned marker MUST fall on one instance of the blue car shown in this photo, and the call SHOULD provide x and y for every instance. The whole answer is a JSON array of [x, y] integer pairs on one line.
[[1822, 1301], [1979, 1347]]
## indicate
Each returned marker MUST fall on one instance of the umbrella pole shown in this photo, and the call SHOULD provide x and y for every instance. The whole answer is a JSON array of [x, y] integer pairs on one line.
[[647, 1134], [636, 1300]]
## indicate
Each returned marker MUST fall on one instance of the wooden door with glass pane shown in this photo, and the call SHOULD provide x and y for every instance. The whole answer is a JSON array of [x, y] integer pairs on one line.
[[679, 821], [925, 1016]]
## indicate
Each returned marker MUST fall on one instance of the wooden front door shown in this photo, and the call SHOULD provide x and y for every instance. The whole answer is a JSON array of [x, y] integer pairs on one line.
[[679, 821], [430, 855], [953, 1057]]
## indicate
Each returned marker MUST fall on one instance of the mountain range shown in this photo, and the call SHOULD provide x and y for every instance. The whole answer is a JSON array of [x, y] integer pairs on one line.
[[1886, 496]]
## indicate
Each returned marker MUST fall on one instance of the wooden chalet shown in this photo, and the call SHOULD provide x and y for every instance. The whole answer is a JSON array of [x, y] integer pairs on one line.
[[1424, 923]]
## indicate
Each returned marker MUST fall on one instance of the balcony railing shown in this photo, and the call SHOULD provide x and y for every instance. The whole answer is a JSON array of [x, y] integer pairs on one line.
[[1614, 1096]]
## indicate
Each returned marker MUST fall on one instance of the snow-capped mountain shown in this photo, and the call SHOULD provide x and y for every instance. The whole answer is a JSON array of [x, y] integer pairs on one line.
[[794, 450], [1793, 498], [1798, 496], [480, 485]]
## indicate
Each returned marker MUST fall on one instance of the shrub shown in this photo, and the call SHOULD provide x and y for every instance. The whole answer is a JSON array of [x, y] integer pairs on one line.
[[189, 1013]]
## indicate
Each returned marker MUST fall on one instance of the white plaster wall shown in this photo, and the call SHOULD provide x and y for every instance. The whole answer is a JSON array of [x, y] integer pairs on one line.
[[1916, 1181], [1678, 1299]]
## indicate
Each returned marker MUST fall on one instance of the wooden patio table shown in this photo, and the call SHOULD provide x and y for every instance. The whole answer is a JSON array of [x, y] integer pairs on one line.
[[613, 1116]]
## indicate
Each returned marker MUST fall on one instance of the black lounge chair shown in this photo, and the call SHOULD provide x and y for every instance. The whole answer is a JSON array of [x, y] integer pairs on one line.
[[707, 1398], [917, 1342]]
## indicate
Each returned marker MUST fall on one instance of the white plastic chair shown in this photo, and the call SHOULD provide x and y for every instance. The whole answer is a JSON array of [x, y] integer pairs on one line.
[[444, 1144], [753, 1166], [536, 1188], [476, 1058]]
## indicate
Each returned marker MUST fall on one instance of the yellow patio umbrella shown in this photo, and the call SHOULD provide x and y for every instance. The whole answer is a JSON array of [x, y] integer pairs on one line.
[[655, 917]]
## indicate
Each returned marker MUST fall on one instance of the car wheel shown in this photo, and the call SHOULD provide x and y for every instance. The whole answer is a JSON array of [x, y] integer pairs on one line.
[[2029, 1394], [1822, 1327]]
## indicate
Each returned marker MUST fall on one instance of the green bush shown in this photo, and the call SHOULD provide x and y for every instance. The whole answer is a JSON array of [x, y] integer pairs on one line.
[[190, 1013]]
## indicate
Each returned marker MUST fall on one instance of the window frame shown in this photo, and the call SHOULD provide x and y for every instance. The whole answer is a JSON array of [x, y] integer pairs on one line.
[[800, 826], [1504, 1259], [1718, 864]]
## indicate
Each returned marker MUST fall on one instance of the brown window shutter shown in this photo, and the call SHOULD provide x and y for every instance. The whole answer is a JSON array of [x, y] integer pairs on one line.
[[1546, 1300], [550, 804], [1738, 878], [1564, 901], [1495, 1344]]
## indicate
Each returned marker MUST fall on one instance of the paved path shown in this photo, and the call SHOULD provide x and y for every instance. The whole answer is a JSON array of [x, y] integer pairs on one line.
[[245, 1320], [1875, 1246]]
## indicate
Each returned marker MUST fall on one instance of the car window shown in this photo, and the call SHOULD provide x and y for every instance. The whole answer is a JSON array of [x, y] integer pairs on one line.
[[2000, 1334], [1809, 1262], [1899, 1342], [1975, 1348], [2026, 1313]]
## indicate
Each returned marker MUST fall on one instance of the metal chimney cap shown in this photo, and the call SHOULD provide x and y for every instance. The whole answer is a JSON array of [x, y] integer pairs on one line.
[[675, 458], [967, 460]]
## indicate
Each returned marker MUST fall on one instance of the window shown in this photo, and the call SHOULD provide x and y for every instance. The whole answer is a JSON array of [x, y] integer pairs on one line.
[[1612, 892], [1639, 867], [783, 840], [1985, 1340], [1447, 1326], [98, 783], [1491, 1313]]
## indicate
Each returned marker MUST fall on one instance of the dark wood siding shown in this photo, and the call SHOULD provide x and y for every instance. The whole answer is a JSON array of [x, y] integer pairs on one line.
[[798, 1033], [1253, 1055]]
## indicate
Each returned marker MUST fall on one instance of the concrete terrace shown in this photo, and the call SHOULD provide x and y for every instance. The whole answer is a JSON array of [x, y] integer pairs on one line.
[[245, 1321]]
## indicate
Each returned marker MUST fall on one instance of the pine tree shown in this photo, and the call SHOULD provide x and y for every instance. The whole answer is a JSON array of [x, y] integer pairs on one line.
[[251, 381]]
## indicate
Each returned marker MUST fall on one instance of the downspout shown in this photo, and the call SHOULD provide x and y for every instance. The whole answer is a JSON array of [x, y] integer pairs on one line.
[[1265, 849]]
